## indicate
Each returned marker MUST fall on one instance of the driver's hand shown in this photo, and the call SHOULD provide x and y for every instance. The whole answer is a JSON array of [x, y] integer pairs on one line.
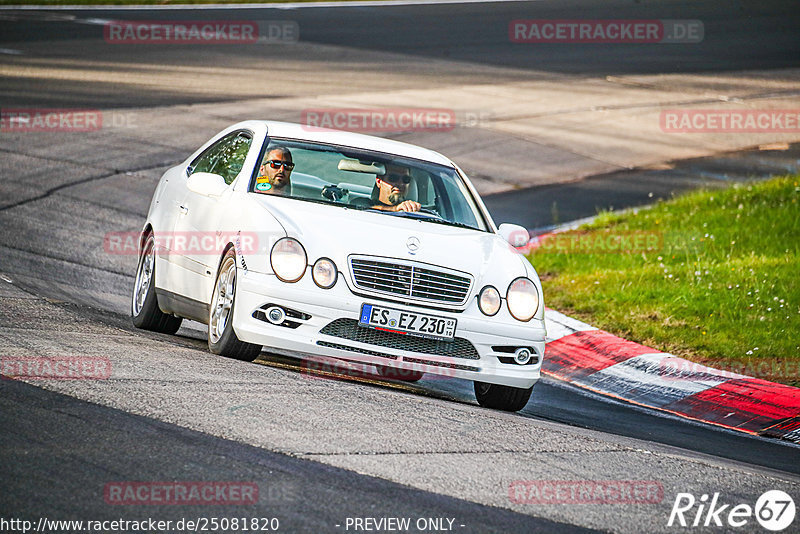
[[408, 205]]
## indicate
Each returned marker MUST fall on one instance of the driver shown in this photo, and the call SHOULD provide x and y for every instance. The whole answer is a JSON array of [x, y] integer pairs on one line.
[[392, 189], [275, 173]]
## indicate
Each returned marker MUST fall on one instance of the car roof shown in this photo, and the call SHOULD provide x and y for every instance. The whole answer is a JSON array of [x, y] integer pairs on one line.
[[355, 140]]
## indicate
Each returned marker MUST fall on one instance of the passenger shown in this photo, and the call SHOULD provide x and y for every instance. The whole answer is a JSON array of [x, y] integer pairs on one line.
[[275, 173], [391, 190]]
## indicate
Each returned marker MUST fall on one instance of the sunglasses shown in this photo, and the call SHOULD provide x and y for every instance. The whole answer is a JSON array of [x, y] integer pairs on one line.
[[397, 178], [276, 164]]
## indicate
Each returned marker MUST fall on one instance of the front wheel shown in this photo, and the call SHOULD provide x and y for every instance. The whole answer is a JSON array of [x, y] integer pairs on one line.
[[144, 304], [221, 337], [504, 398]]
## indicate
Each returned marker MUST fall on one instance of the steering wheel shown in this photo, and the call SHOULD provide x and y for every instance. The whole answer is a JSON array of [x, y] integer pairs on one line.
[[334, 193]]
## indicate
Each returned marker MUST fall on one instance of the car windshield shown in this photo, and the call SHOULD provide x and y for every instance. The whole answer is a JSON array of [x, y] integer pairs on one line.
[[366, 180]]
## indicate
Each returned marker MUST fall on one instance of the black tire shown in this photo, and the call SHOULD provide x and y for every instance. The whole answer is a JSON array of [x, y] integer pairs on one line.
[[145, 312], [221, 337], [395, 373], [504, 398]]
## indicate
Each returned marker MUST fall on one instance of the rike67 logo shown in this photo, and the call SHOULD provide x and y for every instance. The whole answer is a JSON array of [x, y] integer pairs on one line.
[[774, 510]]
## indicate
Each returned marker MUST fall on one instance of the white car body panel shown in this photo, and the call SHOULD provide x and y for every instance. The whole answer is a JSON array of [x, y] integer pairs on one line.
[[338, 233]]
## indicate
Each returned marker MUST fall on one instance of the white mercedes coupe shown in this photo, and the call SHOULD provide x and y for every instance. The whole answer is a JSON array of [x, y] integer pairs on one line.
[[339, 245]]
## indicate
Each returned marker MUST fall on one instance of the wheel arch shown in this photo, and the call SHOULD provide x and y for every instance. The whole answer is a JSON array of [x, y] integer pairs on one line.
[[225, 250], [146, 231], [212, 281]]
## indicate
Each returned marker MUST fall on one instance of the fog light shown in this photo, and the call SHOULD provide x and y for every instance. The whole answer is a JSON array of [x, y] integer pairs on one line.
[[522, 356], [275, 315]]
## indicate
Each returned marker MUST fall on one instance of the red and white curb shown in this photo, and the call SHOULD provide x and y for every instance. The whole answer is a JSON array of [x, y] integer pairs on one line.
[[609, 365]]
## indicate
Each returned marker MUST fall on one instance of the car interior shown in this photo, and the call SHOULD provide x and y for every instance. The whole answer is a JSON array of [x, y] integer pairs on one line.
[[338, 176]]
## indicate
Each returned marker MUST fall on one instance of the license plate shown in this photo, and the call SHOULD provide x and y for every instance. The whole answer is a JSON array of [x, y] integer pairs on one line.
[[407, 323]]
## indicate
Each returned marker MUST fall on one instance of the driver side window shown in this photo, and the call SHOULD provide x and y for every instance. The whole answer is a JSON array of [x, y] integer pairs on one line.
[[225, 157]]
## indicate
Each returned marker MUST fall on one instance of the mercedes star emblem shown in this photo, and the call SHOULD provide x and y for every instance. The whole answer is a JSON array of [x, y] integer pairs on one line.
[[413, 244]]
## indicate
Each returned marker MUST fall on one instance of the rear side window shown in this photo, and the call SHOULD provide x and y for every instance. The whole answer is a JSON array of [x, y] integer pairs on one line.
[[225, 157]]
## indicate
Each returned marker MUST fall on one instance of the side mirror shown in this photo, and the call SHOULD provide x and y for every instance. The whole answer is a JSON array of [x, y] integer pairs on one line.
[[207, 184], [516, 235]]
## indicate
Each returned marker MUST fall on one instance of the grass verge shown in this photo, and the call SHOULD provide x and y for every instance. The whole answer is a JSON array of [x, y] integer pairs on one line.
[[712, 276]]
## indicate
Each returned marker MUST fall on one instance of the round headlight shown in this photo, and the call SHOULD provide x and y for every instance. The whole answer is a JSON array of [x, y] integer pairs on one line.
[[324, 273], [489, 300], [523, 299], [288, 259]]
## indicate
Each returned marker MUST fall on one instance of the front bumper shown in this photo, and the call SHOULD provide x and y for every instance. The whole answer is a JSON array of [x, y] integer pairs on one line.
[[491, 337]]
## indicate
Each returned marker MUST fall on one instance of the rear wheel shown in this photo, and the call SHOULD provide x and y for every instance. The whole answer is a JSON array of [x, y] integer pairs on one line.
[[504, 398], [395, 373], [221, 337], [144, 304]]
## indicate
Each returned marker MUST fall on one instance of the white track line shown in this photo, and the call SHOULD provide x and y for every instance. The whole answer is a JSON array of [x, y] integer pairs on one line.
[[560, 325]]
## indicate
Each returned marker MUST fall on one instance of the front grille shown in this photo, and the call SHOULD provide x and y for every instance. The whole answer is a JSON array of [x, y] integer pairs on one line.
[[410, 280], [355, 349], [349, 329], [444, 364]]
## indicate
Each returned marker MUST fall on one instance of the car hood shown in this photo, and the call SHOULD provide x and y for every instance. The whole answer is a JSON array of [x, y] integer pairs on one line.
[[336, 232]]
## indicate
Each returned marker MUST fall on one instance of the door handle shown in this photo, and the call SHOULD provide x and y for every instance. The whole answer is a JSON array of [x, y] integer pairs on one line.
[[183, 209]]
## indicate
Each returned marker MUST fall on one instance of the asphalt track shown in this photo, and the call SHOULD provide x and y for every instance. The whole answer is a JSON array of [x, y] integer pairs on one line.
[[303, 495], [543, 207], [321, 450], [737, 36]]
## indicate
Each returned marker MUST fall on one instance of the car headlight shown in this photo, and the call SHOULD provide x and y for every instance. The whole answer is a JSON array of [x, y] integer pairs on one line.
[[288, 259], [489, 300], [522, 299], [324, 273]]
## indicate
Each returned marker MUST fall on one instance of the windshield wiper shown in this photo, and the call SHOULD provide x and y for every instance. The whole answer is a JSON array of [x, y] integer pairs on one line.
[[452, 223], [427, 217]]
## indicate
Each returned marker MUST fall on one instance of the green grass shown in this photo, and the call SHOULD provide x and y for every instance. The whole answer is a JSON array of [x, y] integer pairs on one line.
[[721, 287]]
